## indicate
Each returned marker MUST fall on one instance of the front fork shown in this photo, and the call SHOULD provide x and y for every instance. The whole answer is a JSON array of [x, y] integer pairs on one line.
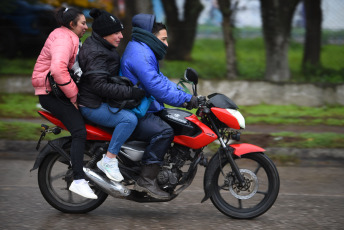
[[228, 152]]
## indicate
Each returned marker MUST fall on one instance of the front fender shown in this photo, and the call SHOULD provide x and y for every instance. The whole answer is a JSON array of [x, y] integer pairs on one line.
[[244, 148], [52, 147]]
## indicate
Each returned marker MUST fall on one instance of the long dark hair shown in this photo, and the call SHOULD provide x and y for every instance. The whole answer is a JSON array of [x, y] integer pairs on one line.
[[66, 15]]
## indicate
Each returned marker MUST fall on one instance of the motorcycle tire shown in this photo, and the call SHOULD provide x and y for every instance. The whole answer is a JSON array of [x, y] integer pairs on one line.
[[249, 201], [54, 179]]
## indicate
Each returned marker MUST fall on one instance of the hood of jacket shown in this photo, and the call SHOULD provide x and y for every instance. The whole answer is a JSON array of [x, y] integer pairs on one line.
[[144, 21]]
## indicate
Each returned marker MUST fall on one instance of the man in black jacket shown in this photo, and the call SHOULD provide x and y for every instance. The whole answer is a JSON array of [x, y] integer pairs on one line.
[[99, 60]]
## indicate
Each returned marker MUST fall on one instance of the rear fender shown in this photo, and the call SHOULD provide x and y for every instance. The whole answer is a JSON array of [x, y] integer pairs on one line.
[[51, 147]]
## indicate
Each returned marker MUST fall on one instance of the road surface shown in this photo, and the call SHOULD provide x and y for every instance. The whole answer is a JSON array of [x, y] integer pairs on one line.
[[310, 198]]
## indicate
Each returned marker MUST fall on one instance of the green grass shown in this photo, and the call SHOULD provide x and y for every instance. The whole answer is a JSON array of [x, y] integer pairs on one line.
[[251, 59], [331, 70], [209, 59], [206, 53], [18, 106], [32, 131], [292, 114], [17, 66], [25, 106], [293, 140], [24, 131], [310, 140]]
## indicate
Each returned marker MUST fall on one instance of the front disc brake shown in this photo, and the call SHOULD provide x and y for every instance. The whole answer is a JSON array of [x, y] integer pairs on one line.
[[249, 189]]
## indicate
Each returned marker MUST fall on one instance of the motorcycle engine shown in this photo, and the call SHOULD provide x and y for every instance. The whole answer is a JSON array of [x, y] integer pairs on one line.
[[168, 178]]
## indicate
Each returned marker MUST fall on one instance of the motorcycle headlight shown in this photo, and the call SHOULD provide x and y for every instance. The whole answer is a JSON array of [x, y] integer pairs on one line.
[[240, 118]]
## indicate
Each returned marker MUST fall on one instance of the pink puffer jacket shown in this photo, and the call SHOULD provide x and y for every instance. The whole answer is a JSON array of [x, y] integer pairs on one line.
[[57, 56]]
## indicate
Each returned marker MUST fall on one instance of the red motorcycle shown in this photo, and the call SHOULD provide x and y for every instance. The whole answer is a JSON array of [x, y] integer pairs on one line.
[[241, 181]]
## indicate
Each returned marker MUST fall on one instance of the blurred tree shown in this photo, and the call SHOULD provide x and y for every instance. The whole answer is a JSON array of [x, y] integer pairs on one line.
[[125, 10], [227, 28], [277, 16], [311, 54], [181, 30], [7, 6], [25, 26]]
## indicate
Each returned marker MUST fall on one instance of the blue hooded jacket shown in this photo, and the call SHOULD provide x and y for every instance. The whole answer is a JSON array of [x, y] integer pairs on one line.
[[139, 63]]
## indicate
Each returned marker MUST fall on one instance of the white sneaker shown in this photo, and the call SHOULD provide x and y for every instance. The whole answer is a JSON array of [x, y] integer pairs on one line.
[[110, 168], [83, 189]]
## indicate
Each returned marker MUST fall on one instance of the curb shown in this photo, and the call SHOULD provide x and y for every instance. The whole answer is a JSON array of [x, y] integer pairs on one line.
[[19, 150], [26, 150], [319, 157]]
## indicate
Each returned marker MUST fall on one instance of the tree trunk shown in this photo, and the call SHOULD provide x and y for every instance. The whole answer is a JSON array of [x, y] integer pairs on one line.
[[227, 28], [312, 46], [181, 32], [277, 16], [131, 8]]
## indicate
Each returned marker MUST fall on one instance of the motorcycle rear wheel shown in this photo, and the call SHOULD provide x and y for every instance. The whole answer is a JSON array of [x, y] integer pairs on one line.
[[54, 179], [256, 197]]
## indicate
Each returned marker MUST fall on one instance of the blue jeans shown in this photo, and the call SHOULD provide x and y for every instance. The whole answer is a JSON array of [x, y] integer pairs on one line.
[[151, 128], [124, 123]]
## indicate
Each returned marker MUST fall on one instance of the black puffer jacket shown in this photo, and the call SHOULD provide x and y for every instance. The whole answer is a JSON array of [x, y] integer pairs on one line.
[[98, 54]]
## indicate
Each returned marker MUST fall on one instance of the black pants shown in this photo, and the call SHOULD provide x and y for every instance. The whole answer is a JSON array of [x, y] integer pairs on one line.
[[151, 128], [74, 122]]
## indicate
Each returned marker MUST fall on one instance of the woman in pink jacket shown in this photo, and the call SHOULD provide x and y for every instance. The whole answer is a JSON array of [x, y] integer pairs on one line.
[[57, 56]]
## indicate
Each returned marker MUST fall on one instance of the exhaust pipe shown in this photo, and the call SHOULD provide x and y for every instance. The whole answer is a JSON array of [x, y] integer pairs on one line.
[[112, 188]]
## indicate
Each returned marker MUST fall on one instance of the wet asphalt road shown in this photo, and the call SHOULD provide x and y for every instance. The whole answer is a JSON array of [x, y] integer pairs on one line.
[[310, 198]]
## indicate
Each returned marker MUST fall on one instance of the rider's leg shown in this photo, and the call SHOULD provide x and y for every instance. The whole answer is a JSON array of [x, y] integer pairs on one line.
[[74, 122], [124, 123], [159, 134]]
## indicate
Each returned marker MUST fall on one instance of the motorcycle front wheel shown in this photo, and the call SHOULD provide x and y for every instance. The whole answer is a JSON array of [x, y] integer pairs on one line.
[[54, 179], [253, 198]]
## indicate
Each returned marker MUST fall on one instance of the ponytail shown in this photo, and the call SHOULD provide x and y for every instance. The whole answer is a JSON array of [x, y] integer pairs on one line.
[[66, 15]]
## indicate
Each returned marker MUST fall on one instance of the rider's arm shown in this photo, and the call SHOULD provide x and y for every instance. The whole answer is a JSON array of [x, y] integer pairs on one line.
[[62, 50], [99, 81], [156, 84]]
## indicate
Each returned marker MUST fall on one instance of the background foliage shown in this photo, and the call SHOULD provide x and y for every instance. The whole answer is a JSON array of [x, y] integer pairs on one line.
[[208, 58]]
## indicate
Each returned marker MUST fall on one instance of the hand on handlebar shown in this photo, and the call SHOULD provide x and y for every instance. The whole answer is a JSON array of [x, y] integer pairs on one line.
[[194, 102]]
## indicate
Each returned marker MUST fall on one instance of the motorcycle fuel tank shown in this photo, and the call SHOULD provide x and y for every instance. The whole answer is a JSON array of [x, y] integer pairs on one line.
[[181, 126]]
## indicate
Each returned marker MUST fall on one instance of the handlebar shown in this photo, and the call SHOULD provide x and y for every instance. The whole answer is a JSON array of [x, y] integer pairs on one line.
[[201, 100]]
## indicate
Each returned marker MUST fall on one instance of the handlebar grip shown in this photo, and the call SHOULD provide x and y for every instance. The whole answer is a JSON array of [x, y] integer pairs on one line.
[[201, 100]]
